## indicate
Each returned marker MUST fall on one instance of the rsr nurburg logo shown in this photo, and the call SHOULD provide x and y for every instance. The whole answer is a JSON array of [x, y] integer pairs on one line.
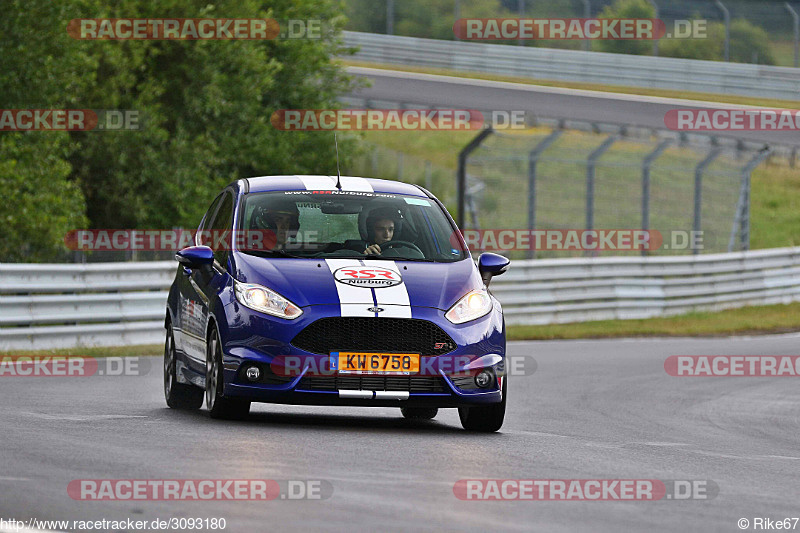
[[364, 276]]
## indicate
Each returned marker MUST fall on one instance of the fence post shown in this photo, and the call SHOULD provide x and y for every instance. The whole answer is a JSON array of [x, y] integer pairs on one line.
[[390, 17], [461, 173], [457, 15], [646, 164], [698, 188], [655, 16], [796, 25], [399, 166], [727, 16], [533, 158], [587, 13], [428, 177], [590, 174], [520, 14], [742, 219]]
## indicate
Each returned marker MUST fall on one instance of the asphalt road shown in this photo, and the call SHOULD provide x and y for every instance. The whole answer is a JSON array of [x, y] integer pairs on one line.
[[593, 409], [553, 102]]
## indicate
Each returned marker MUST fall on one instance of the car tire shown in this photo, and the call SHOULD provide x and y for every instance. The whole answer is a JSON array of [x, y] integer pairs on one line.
[[218, 405], [419, 413], [485, 418], [178, 395]]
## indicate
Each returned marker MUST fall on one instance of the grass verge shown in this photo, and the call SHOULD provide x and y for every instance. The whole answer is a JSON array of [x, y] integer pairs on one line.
[[106, 351], [752, 320], [758, 320]]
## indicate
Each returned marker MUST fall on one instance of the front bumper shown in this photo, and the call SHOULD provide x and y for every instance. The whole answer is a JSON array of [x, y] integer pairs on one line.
[[441, 385]]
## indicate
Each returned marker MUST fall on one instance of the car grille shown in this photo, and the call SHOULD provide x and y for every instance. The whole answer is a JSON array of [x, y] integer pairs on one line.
[[375, 383], [368, 334]]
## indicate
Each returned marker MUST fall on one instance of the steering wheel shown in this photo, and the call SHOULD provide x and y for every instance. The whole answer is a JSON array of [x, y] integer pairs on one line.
[[391, 244]]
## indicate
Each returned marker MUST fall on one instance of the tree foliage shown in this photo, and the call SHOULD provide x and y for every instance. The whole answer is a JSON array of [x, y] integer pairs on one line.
[[749, 44], [204, 109], [626, 9], [431, 19], [41, 202]]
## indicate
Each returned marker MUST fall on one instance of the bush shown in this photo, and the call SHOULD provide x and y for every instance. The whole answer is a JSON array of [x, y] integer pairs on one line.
[[40, 204], [748, 42], [628, 9]]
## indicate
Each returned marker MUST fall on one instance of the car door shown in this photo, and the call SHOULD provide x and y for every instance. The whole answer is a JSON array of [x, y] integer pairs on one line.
[[203, 285], [188, 335]]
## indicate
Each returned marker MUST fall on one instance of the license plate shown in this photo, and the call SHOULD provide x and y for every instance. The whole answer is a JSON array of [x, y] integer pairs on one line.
[[375, 363]]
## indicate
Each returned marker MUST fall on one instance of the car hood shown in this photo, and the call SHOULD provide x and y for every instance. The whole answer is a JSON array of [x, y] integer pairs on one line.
[[311, 281]]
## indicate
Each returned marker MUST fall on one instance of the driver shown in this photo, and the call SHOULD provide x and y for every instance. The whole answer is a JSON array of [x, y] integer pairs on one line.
[[281, 218], [380, 228]]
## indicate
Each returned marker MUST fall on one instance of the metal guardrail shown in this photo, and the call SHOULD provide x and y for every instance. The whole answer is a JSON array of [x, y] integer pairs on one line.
[[106, 304], [579, 66], [572, 290], [46, 306]]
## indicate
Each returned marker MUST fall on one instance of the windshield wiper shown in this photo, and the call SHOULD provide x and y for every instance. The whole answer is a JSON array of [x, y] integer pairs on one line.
[[421, 259], [272, 253]]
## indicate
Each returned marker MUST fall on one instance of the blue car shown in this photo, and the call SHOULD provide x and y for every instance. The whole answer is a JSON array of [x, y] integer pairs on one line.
[[326, 290]]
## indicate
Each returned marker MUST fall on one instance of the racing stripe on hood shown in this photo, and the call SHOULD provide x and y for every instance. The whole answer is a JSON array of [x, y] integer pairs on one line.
[[328, 183], [352, 300], [394, 300]]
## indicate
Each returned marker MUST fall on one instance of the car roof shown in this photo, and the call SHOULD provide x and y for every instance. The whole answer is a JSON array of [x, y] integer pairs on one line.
[[326, 183]]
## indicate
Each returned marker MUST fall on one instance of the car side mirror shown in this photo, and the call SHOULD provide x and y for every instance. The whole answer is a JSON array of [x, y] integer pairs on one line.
[[195, 257], [490, 265]]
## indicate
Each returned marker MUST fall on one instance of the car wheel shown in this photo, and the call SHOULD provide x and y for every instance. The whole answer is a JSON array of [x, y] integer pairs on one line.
[[178, 395], [219, 406], [419, 413], [485, 418]]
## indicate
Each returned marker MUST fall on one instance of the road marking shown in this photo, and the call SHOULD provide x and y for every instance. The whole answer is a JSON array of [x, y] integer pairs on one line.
[[716, 454], [603, 445], [81, 418], [14, 478]]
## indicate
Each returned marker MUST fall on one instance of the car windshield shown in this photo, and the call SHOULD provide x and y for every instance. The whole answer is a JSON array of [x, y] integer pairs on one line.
[[330, 224]]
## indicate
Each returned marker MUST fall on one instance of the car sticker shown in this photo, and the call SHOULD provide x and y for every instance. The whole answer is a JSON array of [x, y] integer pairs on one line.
[[374, 277], [417, 201], [328, 183], [353, 300]]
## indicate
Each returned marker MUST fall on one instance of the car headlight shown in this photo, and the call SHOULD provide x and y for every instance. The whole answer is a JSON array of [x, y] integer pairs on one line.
[[265, 300], [472, 305]]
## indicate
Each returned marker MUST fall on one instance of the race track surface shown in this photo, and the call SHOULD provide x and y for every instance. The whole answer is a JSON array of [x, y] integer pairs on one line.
[[593, 409], [553, 102]]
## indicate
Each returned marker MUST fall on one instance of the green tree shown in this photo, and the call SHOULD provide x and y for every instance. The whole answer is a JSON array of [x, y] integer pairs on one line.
[[41, 202], [709, 48], [431, 19], [205, 108], [626, 9], [748, 43]]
